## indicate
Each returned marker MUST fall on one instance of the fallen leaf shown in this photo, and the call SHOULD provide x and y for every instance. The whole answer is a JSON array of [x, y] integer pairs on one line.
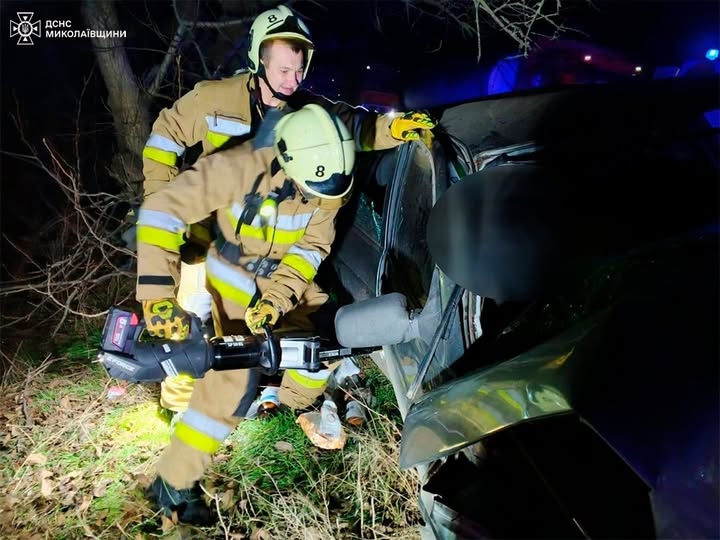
[[226, 499], [283, 446], [260, 534], [100, 488], [36, 459], [167, 523], [143, 480], [46, 487], [86, 502]]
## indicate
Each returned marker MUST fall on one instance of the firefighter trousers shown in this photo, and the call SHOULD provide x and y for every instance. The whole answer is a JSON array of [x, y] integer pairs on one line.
[[221, 399]]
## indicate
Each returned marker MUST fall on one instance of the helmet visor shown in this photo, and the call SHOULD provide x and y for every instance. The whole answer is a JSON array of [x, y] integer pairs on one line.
[[334, 186]]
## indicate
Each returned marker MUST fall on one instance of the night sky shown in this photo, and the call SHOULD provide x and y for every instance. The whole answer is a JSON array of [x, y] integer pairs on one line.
[[46, 78]]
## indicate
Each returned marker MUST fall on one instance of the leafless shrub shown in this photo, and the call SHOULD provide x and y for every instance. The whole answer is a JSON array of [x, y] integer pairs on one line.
[[523, 21], [75, 264]]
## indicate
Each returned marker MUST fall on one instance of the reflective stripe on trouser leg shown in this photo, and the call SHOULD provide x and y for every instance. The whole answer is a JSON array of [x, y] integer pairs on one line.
[[216, 397], [300, 389]]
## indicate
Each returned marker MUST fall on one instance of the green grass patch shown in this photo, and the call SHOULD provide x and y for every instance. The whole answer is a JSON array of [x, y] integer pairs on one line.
[[76, 465]]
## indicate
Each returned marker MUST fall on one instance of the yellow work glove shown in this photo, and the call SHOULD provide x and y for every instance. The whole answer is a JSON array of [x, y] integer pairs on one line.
[[166, 319], [263, 313], [404, 128]]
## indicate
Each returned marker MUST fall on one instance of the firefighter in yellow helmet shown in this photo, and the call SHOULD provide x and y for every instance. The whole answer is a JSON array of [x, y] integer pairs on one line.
[[221, 113], [260, 273]]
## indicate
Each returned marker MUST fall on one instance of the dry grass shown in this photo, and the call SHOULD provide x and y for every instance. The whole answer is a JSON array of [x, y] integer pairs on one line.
[[75, 465]]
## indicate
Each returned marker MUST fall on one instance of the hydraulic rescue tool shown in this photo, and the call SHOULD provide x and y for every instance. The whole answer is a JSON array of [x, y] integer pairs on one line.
[[127, 352]]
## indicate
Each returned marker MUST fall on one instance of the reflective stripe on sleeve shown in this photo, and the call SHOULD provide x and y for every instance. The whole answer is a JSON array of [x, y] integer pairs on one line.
[[217, 139], [161, 156], [304, 261], [163, 143], [225, 126], [160, 229], [162, 149], [160, 238], [160, 220], [231, 282]]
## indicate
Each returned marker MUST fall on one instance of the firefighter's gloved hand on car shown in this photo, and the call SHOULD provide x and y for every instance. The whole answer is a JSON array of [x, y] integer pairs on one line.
[[408, 126], [165, 318], [264, 312]]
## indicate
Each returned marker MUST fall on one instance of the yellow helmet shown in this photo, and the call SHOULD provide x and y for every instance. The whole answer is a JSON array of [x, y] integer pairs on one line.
[[278, 23], [316, 150]]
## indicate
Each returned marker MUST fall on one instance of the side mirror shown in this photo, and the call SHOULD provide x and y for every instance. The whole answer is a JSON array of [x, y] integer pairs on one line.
[[383, 320]]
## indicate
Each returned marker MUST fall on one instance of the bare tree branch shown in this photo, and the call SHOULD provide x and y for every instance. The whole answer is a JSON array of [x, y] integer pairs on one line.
[[167, 59], [523, 21]]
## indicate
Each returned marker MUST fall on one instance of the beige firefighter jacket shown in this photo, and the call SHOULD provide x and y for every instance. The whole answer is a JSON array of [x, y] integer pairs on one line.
[[215, 112], [296, 241]]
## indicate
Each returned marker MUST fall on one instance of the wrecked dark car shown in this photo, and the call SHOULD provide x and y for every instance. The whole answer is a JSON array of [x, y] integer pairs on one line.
[[543, 282]]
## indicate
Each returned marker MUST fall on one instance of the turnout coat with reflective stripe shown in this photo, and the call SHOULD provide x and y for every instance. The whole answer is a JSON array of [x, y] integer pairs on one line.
[[299, 237], [215, 112]]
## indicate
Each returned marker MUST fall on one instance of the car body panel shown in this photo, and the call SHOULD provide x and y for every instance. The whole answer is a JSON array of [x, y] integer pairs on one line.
[[627, 349]]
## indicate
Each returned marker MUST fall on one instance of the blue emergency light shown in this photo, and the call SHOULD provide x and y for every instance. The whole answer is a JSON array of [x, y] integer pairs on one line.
[[712, 54]]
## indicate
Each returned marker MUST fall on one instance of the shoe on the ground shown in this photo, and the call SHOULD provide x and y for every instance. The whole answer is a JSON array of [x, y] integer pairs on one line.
[[188, 503], [355, 413], [268, 403]]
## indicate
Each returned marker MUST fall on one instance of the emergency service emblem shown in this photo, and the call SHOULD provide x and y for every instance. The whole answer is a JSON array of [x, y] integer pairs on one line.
[[25, 29]]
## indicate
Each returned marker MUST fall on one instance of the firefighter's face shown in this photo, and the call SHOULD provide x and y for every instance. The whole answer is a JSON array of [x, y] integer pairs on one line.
[[284, 67]]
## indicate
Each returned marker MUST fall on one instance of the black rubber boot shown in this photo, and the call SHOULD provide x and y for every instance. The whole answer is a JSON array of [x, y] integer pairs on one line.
[[188, 503]]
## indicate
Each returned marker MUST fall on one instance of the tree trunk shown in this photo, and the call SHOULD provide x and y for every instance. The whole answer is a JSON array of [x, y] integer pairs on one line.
[[128, 105]]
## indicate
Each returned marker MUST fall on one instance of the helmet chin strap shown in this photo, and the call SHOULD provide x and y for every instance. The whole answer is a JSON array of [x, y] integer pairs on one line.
[[276, 94]]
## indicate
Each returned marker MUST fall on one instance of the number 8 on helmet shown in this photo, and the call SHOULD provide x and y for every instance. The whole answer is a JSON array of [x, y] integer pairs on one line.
[[316, 150]]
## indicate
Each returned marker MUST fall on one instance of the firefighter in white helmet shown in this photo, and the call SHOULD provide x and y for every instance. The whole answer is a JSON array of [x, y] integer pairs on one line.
[[262, 273], [221, 113]]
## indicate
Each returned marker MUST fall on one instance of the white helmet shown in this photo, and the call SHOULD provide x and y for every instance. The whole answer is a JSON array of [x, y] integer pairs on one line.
[[316, 150], [278, 23]]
